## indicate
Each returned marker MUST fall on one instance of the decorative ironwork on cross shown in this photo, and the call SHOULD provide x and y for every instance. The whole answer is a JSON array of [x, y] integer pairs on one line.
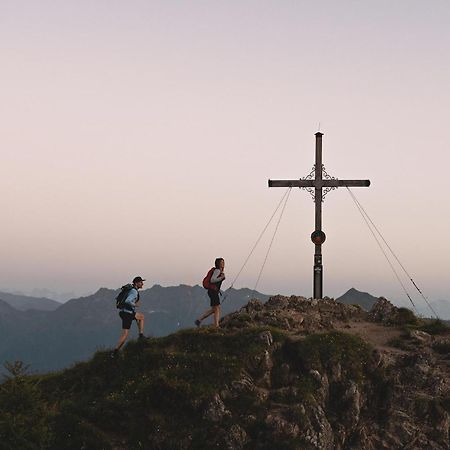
[[318, 183]]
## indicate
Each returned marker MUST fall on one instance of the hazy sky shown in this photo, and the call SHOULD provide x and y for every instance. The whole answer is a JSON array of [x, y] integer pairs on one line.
[[138, 137]]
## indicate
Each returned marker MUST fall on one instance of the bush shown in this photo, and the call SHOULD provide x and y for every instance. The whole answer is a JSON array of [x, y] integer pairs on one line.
[[435, 327], [24, 418], [446, 403], [442, 347], [405, 316], [72, 431], [401, 342]]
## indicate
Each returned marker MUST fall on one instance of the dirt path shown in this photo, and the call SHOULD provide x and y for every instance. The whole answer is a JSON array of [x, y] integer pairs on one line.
[[376, 334]]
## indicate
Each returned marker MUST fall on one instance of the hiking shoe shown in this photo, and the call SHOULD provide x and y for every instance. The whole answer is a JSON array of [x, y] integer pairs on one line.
[[141, 338], [114, 354], [197, 322]]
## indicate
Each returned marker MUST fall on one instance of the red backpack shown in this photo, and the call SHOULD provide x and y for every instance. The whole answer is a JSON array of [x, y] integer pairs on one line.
[[207, 280]]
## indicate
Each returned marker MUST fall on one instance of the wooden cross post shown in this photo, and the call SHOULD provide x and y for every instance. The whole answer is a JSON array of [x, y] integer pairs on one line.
[[318, 186]]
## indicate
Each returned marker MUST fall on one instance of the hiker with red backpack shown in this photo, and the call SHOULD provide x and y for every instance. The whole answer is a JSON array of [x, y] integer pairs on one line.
[[212, 282]]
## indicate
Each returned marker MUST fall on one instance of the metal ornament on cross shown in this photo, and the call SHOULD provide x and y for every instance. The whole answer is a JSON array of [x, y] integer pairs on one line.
[[318, 183]]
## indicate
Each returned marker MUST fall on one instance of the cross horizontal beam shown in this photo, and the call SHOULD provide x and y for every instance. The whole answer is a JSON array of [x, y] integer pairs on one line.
[[318, 183]]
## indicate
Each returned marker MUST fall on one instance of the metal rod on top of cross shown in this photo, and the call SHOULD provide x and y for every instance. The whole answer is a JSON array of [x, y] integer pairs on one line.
[[318, 187]]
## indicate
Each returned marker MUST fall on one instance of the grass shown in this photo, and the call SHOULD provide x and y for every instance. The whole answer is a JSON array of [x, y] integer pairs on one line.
[[446, 403], [405, 316], [402, 342], [151, 386], [156, 393], [321, 351], [435, 327], [442, 347]]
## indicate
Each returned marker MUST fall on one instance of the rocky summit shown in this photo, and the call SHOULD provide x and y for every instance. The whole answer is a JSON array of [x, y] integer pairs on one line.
[[290, 373], [346, 379]]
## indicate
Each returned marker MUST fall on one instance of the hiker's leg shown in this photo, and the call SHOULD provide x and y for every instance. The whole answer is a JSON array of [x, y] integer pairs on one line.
[[206, 314], [122, 339], [214, 302], [216, 315], [140, 322], [215, 306]]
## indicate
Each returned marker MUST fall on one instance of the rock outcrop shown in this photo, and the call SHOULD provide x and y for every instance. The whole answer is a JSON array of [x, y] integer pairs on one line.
[[399, 398]]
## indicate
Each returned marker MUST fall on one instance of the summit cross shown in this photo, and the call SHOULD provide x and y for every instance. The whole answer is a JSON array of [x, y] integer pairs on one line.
[[318, 187]]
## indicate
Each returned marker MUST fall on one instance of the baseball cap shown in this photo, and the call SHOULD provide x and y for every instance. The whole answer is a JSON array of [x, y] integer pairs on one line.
[[137, 279]]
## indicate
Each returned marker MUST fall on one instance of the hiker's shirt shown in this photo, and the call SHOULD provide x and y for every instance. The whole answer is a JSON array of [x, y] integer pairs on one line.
[[130, 301], [217, 279]]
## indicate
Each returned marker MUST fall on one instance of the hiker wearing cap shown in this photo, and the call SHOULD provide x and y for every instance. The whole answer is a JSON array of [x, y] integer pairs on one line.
[[128, 313], [214, 284]]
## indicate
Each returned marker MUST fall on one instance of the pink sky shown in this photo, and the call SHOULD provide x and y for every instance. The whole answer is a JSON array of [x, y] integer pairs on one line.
[[137, 138]]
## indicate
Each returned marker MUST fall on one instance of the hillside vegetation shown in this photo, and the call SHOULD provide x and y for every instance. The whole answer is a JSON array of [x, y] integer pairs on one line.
[[288, 374]]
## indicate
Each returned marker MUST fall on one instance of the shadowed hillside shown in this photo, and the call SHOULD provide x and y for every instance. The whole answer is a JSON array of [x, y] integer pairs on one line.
[[291, 373]]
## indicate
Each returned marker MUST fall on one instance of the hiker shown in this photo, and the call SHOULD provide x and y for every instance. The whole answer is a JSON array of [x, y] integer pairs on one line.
[[214, 284], [128, 313]]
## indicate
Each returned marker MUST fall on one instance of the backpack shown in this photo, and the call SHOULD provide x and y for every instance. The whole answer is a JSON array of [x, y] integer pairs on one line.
[[123, 294], [207, 280]]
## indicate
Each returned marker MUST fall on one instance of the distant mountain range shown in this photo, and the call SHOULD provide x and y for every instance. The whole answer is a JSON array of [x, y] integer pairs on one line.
[[366, 301], [441, 307], [26, 302]]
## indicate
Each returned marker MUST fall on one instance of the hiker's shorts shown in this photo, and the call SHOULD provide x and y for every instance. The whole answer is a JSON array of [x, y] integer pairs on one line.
[[214, 297], [127, 319]]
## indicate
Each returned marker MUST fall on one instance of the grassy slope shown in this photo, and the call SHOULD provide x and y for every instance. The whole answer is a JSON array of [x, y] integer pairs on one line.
[[156, 393], [151, 387], [162, 387]]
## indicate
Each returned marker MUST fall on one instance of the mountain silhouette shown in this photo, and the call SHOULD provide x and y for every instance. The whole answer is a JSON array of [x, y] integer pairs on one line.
[[26, 302], [355, 297]]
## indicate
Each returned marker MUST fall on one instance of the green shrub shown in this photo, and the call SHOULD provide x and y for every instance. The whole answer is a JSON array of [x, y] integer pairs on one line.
[[399, 342], [405, 316], [243, 317], [24, 417], [442, 347], [445, 402], [435, 327], [73, 431]]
